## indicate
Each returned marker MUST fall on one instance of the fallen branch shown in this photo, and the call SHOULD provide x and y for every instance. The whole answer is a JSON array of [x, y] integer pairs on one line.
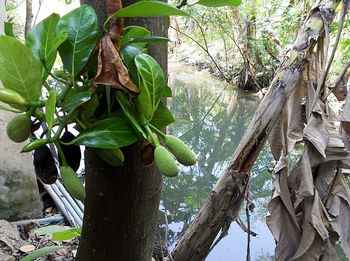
[[222, 206]]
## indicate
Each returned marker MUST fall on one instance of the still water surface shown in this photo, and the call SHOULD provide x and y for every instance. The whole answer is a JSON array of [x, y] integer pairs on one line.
[[212, 117]]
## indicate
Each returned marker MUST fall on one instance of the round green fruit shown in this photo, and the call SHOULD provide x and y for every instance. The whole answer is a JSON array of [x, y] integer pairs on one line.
[[19, 128], [181, 151], [165, 162]]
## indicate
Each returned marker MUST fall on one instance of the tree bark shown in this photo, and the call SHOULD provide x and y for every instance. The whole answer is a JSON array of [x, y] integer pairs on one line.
[[29, 16], [223, 205], [122, 203]]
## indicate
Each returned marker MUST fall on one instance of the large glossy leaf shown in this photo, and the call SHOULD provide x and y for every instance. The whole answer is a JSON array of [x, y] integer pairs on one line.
[[41, 252], [132, 32], [162, 117], [50, 107], [152, 85], [76, 100], [128, 54], [19, 70], [109, 133], [43, 42], [81, 24], [147, 8], [219, 3]]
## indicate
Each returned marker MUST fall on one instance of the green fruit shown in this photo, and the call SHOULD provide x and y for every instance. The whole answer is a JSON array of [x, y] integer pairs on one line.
[[72, 183], [165, 162], [19, 128], [12, 98], [181, 151], [34, 144]]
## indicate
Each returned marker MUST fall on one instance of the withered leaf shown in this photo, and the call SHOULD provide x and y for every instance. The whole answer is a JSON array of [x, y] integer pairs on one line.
[[111, 70]]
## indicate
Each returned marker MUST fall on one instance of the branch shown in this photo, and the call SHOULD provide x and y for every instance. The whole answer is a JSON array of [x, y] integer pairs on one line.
[[223, 205], [29, 16], [205, 49]]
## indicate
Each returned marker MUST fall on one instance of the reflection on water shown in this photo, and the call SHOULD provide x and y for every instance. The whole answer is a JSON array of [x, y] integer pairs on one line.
[[212, 117]]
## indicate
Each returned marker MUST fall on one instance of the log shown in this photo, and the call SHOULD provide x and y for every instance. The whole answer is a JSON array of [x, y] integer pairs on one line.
[[223, 204]]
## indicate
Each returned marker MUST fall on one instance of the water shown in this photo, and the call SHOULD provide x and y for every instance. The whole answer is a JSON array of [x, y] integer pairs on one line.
[[211, 117]]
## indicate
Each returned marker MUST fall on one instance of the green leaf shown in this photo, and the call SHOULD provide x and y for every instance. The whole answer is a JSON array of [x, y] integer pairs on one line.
[[19, 70], [109, 133], [113, 157], [90, 108], [41, 252], [132, 32], [148, 39], [9, 29], [76, 100], [129, 112], [147, 8], [3, 108], [152, 85], [167, 92], [162, 117], [219, 3], [128, 54], [43, 42], [81, 24], [66, 234], [50, 107], [50, 230]]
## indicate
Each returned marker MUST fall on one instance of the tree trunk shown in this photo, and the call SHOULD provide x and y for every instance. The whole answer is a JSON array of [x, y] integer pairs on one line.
[[223, 205], [122, 203]]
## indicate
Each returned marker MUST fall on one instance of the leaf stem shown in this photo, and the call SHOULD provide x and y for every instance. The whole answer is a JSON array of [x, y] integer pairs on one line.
[[63, 124], [152, 135], [156, 130], [60, 152]]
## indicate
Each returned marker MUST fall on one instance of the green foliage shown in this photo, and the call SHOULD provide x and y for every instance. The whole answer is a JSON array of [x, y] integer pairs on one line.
[[43, 42], [133, 32], [219, 3], [82, 27], [8, 27], [50, 107], [19, 70], [110, 133], [151, 86], [113, 157], [147, 8], [41, 252], [76, 100], [162, 117], [107, 119]]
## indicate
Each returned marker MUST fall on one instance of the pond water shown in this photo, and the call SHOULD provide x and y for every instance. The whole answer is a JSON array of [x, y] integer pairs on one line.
[[211, 117]]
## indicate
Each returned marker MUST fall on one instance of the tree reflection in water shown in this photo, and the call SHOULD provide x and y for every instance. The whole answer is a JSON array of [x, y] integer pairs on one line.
[[211, 117]]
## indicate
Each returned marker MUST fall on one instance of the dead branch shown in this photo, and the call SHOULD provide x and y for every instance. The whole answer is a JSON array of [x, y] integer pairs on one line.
[[223, 205]]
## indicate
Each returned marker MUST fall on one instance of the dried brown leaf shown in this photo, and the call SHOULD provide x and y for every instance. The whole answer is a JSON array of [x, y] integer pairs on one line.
[[339, 207], [111, 70]]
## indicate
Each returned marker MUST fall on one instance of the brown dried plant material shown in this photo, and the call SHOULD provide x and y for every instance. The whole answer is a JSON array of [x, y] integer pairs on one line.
[[117, 24], [111, 70]]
